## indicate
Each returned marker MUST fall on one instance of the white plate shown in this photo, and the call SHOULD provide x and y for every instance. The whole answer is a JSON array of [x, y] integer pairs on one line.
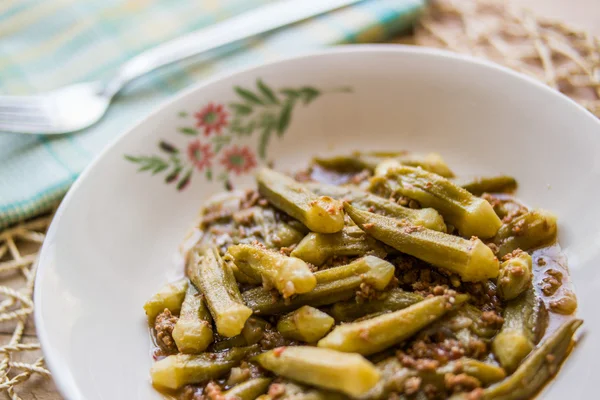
[[114, 241]]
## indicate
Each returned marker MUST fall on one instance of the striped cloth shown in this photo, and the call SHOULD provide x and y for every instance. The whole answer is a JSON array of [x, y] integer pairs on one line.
[[48, 44]]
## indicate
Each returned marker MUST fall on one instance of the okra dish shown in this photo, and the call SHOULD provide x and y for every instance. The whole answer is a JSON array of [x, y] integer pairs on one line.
[[365, 276]]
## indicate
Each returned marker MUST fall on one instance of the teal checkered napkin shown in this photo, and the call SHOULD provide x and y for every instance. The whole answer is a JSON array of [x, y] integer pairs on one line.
[[48, 44]]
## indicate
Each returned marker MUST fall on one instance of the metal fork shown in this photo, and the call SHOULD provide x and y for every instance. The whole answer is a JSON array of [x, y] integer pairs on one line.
[[78, 106]]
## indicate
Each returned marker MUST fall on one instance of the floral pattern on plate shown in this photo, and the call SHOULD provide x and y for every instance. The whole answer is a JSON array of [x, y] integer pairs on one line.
[[211, 150]]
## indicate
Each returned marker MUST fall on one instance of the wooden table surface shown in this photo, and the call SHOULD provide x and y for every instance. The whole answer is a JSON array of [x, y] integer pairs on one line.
[[584, 14]]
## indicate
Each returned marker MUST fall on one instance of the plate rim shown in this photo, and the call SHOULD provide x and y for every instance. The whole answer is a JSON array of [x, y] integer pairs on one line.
[[61, 377]]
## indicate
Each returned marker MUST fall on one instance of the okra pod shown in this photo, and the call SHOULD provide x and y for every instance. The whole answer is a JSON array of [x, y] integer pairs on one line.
[[525, 321], [169, 296], [538, 368], [376, 334], [393, 300], [289, 275], [333, 285], [494, 184], [306, 324], [427, 217], [319, 213], [317, 248], [515, 276], [536, 228], [179, 370], [214, 278], [485, 373], [296, 391], [248, 390], [359, 161], [329, 369], [193, 330], [471, 259], [472, 215]]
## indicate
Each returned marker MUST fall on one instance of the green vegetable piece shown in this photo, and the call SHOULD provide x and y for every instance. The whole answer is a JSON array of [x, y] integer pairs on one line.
[[538, 368], [215, 280], [486, 373], [515, 276], [376, 334], [393, 300], [289, 275], [193, 330], [306, 324], [536, 228], [427, 217], [176, 371], [248, 390], [525, 321], [358, 161], [170, 297], [471, 259], [494, 184], [319, 213], [317, 248], [472, 215], [329, 369], [333, 285], [296, 391]]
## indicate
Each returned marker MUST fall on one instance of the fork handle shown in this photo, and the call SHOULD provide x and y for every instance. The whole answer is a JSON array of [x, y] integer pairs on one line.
[[243, 26]]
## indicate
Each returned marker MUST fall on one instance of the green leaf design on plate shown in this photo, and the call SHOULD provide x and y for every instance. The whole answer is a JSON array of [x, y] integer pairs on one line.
[[208, 174], [284, 118], [248, 96], [154, 164], [188, 131], [173, 175], [267, 92], [240, 109], [308, 94], [167, 147], [182, 184]]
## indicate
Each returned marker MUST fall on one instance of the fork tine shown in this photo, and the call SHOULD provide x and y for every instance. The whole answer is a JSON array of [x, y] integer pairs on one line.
[[22, 101], [20, 113], [25, 124]]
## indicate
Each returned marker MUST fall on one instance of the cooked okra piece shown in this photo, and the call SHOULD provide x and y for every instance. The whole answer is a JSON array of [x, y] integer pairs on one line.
[[359, 161], [289, 275], [427, 217], [241, 277], [169, 296], [393, 300], [515, 276], [179, 370], [376, 334], [214, 278], [193, 330], [306, 324], [471, 259], [525, 321], [317, 248], [494, 184], [319, 213], [527, 231], [535, 371], [248, 390], [472, 215], [347, 373], [295, 391], [333, 285], [485, 373]]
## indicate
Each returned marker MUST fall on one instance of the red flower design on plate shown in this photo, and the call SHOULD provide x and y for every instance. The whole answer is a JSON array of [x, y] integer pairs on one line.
[[200, 154], [238, 159], [213, 117]]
